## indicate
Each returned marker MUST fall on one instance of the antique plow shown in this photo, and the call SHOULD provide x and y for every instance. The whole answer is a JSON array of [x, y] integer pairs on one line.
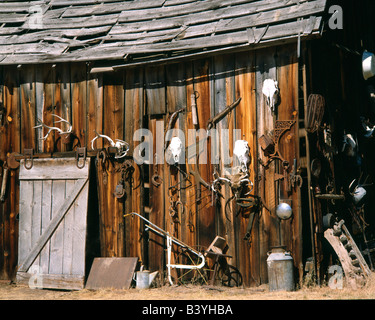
[[170, 240]]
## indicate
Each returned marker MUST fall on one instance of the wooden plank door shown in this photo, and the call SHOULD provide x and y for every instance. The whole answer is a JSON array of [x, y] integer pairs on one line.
[[53, 224]]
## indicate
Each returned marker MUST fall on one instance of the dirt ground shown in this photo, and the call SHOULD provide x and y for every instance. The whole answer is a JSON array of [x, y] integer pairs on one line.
[[11, 291]]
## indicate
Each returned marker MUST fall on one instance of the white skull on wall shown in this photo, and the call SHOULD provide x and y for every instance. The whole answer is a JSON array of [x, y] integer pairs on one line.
[[271, 91], [175, 148], [242, 152]]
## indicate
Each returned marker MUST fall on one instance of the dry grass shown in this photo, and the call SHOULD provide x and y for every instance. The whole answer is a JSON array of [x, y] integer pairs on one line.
[[190, 292]]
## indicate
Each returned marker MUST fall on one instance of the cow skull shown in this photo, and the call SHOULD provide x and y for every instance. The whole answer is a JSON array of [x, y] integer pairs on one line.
[[271, 91], [242, 152], [175, 148], [121, 146]]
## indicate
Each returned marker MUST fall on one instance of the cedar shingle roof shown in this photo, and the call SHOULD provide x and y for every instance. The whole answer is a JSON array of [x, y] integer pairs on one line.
[[142, 30]]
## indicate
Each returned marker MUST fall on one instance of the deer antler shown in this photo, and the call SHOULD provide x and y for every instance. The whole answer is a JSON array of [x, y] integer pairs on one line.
[[121, 146], [54, 128]]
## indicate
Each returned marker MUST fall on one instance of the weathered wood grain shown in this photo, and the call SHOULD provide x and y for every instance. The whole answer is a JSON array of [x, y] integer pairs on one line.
[[154, 90], [28, 107], [291, 230], [78, 91], [248, 257], [53, 226], [269, 223], [204, 210], [158, 206]]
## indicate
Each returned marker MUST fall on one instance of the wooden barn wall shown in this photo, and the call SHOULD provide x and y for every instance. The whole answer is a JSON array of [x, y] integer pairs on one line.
[[117, 104]]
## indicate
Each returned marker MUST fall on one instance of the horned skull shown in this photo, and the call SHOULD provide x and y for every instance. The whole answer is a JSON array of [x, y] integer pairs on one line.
[[242, 152], [121, 146], [271, 91], [175, 148]]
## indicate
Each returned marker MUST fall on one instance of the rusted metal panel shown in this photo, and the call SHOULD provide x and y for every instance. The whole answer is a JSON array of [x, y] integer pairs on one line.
[[111, 273]]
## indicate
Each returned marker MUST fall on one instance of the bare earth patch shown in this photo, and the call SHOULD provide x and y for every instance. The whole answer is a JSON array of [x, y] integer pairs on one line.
[[10, 291]]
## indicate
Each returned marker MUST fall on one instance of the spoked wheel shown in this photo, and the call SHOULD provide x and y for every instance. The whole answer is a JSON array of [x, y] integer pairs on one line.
[[191, 276], [230, 276]]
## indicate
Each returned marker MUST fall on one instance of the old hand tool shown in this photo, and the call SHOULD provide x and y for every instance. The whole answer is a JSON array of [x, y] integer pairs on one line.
[[211, 123], [198, 182], [4, 183], [156, 179], [171, 239], [281, 126], [295, 180]]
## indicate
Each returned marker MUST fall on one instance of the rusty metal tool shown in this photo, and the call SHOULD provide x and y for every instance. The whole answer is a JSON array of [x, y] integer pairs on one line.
[[215, 119], [281, 126], [4, 184], [156, 179], [170, 240], [295, 180], [198, 182]]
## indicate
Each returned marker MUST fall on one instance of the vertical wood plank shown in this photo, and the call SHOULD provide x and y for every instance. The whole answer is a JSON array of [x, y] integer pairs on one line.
[[246, 120], [28, 109], [220, 98], [205, 211], [46, 215], [269, 223], [36, 219], [70, 224], [25, 225], [56, 244], [288, 110], [12, 142], [191, 163], [63, 102], [95, 109], [3, 146], [78, 232], [113, 127], [133, 113], [155, 90], [157, 206], [79, 101], [11, 103], [48, 81]]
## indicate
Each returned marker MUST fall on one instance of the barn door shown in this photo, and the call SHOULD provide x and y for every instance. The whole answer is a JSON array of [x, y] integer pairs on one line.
[[53, 223]]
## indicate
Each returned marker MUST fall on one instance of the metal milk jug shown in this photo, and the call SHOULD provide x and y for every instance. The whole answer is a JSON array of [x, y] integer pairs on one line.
[[280, 270]]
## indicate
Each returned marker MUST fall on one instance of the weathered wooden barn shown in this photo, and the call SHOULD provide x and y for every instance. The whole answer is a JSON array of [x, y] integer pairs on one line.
[[112, 67]]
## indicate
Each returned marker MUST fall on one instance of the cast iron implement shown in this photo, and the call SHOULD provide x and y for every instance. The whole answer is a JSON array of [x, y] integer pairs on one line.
[[171, 239], [215, 119]]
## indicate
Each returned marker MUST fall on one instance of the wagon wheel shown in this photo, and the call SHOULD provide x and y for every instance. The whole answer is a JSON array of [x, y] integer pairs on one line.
[[230, 276]]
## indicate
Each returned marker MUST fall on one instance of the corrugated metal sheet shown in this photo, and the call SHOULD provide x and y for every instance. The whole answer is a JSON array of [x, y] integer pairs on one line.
[[139, 30]]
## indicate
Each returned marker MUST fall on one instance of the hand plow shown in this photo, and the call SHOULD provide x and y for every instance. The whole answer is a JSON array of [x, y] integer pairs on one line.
[[170, 240]]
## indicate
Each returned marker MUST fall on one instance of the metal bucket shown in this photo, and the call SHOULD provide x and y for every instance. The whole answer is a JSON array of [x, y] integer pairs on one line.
[[280, 270]]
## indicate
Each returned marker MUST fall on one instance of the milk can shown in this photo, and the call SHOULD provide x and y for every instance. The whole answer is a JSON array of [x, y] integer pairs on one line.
[[280, 270]]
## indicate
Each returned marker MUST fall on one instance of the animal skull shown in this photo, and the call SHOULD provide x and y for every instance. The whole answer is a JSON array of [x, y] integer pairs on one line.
[[175, 148], [242, 152], [349, 145], [271, 91], [121, 146]]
